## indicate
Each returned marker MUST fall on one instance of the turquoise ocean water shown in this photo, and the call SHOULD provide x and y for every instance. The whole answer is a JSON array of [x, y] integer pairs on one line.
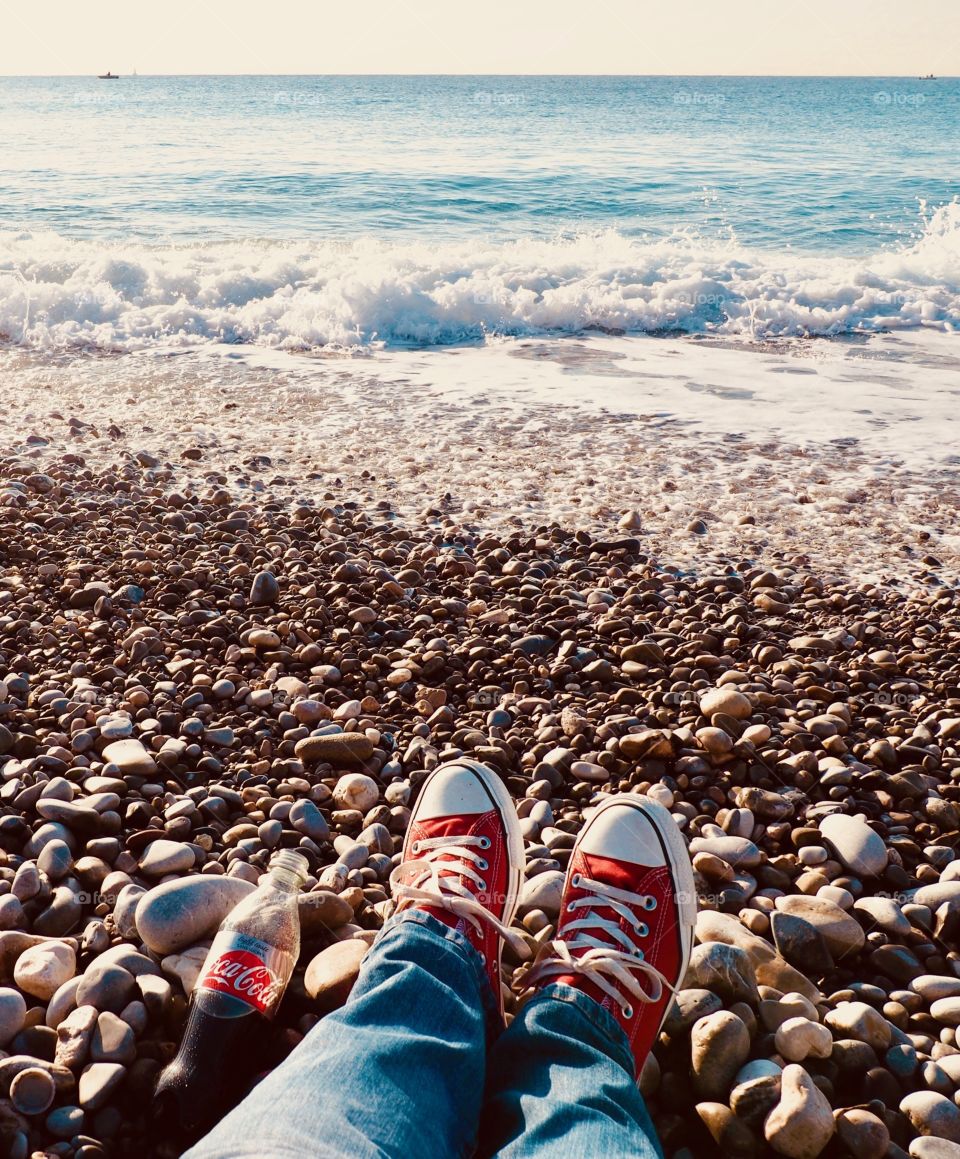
[[355, 212]]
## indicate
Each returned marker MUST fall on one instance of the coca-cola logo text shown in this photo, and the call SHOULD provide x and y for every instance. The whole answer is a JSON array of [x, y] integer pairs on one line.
[[244, 975]]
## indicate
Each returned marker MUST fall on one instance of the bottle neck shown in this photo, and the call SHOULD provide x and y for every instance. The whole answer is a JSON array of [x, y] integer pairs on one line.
[[288, 870], [284, 880]]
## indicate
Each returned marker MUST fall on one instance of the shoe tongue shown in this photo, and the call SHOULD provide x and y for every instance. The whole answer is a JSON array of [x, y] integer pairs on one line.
[[445, 827], [619, 874]]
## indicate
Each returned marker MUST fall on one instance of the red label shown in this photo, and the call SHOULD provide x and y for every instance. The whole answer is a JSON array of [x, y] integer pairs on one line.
[[248, 969]]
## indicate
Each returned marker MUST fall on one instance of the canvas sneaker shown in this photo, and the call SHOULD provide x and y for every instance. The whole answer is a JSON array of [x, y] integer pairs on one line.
[[463, 859], [625, 930]]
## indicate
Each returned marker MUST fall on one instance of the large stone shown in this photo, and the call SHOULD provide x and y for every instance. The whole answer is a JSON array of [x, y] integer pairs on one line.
[[724, 969], [932, 1114], [735, 851], [113, 1040], [843, 934], [801, 944], [356, 791], [178, 913], [859, 848], [13, 1010], [336, 748], [800, 1038], [106, 987], [322, 910], [864, 1134], [860, 1021], [330, 975], [130, 757], [934, 986], [733, 1138], [162, 857], [946, 1010], [801, 1124], [727, 701], [885, 914], [929, 1147], [688, 1006], [74, 1035], [543, 892], [98, 1082], [770, 968], [264, 589], [719, 1045], [42, 969]]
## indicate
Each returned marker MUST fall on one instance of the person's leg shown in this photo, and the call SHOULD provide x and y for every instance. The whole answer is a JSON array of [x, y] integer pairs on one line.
[[397, 1072], [561, 1082]]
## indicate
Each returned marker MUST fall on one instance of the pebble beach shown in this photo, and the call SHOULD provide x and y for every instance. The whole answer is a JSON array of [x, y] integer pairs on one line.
[[257, 620]]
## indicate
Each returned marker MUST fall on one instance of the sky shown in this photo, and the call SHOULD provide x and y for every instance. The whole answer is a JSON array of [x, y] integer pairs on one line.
[[682, 37]]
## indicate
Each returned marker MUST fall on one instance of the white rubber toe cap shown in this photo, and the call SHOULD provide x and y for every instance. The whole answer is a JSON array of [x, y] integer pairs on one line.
[[622, 832], [455, 791]]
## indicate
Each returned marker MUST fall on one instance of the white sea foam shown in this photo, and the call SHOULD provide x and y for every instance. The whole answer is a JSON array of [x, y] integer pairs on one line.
[[61, 294]]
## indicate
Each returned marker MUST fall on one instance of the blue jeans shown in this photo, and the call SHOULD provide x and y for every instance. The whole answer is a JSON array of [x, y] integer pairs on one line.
[[412, 1068]]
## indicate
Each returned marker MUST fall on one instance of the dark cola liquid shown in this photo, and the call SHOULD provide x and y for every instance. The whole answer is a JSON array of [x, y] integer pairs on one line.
[[225, 1046]]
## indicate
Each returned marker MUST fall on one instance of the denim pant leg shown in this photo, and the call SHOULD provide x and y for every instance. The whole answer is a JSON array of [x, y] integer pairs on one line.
[[560, 1085], [397, 1073]]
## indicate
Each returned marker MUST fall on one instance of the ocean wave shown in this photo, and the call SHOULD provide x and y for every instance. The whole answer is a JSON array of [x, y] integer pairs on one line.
[[60, 294]]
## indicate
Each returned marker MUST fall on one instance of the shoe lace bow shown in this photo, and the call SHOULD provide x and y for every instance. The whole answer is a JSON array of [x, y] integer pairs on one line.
[[598, 948], [438, 877]]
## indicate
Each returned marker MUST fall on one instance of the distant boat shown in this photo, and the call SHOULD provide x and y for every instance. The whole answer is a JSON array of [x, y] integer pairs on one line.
[[108, 76], [929, 76]]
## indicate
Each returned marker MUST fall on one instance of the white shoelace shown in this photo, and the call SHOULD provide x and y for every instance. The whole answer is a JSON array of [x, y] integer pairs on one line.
[[602, 963], [436, 879]]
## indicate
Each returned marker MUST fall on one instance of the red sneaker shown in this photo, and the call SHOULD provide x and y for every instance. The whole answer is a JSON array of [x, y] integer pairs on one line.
[[626, 922], [463, 860]]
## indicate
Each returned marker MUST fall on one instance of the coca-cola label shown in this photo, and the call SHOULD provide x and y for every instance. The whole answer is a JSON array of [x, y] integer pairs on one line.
[[246, 968]]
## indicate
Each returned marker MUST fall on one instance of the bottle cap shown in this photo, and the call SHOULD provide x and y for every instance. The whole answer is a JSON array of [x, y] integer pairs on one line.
[[292, 861]]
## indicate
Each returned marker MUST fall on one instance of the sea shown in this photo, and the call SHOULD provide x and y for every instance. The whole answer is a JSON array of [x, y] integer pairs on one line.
[[391, 218]]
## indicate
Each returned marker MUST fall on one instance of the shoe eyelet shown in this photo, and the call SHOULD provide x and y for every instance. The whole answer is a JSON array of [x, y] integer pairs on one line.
[[649, 902], [484, 842], [644, 930], [482, 865], [571, 906], [627, 1011], [482, 886], [640, 955], [415, 847], [575, 880]]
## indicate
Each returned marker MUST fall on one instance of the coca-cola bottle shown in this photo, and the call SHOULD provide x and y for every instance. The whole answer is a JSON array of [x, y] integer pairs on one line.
[[236, 995]]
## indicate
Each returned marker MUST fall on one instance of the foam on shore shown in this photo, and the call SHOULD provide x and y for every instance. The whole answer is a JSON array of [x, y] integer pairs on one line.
[[57, 293]]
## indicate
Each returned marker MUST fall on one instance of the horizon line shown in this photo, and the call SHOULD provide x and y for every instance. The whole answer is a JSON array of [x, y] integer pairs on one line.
[[506, 75]]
